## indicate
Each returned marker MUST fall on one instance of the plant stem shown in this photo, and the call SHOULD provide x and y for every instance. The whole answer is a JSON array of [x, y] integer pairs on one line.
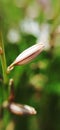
[[3, 60], [5, 81]]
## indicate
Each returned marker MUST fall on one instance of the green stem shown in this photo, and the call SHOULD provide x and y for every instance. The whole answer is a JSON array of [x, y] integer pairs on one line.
[[3, 60], [56, 19], [5, 81]]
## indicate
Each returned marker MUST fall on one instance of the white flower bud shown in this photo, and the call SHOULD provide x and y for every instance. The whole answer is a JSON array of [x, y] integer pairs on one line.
[[19, 109], [27, 55]]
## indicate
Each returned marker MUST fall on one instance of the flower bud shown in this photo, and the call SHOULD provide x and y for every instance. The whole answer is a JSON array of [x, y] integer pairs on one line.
[[19, 109], [1, 51], [27, 55]]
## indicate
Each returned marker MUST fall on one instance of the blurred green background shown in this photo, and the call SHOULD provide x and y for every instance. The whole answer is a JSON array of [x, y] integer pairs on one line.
[[25, 23]]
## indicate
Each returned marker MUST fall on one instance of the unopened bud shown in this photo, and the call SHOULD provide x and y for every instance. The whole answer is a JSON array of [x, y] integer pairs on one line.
[[1, 51], [12, 95], [19, 109], [27, 55]]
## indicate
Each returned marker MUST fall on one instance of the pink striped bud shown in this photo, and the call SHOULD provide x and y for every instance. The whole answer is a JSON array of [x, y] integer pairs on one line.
[[27, 55], [19, 109]]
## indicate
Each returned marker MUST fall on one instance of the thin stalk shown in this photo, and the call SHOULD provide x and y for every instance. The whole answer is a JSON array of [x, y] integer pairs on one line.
[[3, 60], [5, 81]]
